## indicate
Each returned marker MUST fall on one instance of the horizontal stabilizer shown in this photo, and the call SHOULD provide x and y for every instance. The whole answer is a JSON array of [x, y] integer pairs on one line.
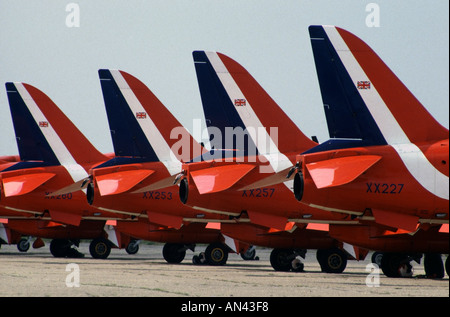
[[216, 179], [162, 183], [23, 184], [272, 179], [80, 185], [119, 182], [340, 171], [396, 219]]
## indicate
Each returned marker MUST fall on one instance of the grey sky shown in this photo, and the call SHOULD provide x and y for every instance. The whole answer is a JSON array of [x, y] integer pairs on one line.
[[154, 40]]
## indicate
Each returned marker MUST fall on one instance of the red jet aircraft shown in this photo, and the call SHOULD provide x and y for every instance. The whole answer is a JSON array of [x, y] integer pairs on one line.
[[386, 163], [149, 145], [53, 154], [245, 181]]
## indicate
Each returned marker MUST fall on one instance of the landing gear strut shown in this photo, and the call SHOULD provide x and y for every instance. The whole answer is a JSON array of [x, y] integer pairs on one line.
[[433, 265]]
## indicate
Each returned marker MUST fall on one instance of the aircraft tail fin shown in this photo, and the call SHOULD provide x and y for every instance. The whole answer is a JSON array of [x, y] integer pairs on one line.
[[141, 126], [232, 98], [43, 132], [363, 99]]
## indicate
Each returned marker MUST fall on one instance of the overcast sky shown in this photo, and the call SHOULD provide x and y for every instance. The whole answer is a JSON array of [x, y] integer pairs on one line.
[[153, 40]]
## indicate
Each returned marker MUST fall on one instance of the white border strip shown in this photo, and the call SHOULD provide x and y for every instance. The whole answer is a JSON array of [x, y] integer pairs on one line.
[[263, 141], [63, 155], [154, 136]]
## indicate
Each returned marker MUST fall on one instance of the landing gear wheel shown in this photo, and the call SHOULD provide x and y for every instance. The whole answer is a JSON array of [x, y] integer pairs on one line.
[[100, 248], [199, 259], [132, 247], [396, 265], [174, 253], [196, 259], [434, 268], [281, 259], [447, 266], [59, 248], [216, 254], [250, 254], [23, 245], [297, 265], [332, 260], [376, 258]]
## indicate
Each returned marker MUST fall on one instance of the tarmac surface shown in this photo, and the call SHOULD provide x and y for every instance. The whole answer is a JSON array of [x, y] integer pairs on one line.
[[146, 274]]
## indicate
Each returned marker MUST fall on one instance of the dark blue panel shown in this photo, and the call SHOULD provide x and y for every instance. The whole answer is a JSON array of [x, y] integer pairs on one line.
[[31, 142], [219, 110], [127, 136], [25, 165], [336, 144], [121, 161], [346, 113]]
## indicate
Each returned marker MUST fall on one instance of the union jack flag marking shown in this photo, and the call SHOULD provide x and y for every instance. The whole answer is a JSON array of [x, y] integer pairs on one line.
[[43, 124], [364, 84], [141, 115], [240, 102]]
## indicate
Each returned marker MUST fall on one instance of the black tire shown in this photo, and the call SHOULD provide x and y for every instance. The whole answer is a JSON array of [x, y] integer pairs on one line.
[[184, 190], [433, 265], [281, 259], [23, 245], [376, 258], [390, 264], [100, 248], [132, 247], [59, 248], [174, 253], [447, 266], [299, 185], [216, 254], [332, 260], [249, 254], [90, 193]]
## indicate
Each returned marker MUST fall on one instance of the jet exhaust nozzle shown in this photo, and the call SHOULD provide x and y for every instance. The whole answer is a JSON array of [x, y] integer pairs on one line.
[[90, 193], [299, 185], [184, 190]]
